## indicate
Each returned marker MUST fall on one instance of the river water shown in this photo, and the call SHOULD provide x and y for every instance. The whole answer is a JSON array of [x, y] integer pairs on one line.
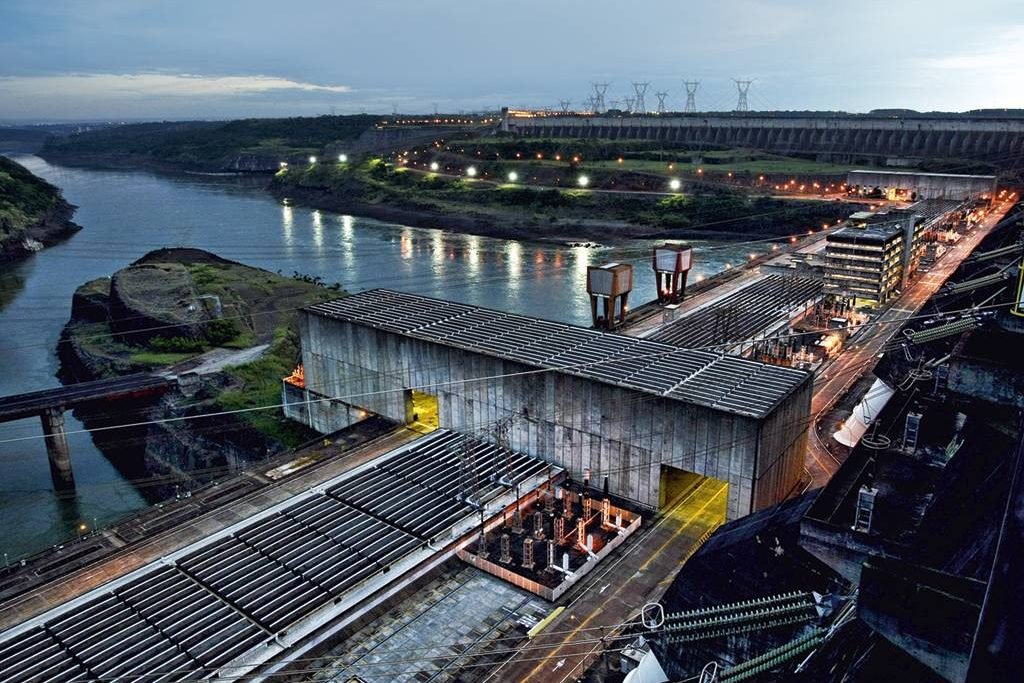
[[127, 213]]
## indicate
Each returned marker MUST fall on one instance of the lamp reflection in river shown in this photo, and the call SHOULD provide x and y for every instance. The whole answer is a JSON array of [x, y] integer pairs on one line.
[[288, 224], [347, 234], [318, 229]]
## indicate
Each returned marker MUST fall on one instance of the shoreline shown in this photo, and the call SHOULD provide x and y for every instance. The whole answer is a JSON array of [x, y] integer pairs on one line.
[[510, 225], [54, 227]]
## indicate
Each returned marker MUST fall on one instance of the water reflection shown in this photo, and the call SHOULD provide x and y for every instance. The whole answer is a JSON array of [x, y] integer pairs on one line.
[[318, 230]]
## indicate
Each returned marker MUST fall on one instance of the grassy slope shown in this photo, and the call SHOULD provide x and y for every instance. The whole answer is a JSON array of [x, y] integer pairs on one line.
[[24, 198]]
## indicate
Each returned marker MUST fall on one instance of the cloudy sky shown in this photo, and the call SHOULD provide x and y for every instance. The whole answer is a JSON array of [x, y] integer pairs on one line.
[[155, 59]]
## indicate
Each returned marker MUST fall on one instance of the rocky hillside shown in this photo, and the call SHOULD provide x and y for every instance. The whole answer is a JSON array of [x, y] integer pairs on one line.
[[33, 214]]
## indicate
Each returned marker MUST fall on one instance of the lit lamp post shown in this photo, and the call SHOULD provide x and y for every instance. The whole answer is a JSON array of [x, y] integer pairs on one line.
[[342, 158], [674, 184], [471, 171], [312, 160], [513, 176], [583, 181]]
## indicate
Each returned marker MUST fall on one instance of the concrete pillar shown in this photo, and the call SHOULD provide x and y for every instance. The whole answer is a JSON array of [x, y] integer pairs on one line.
[[57, 450]]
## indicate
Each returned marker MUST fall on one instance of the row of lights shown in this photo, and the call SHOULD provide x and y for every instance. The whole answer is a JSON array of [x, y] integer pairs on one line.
[[583, 181], [342, 159]]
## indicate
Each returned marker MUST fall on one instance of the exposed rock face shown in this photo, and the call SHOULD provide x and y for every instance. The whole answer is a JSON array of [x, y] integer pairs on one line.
[[155, 300], [55, 226]]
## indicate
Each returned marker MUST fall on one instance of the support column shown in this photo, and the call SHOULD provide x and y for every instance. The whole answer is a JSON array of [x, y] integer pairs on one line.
[[57, 450]]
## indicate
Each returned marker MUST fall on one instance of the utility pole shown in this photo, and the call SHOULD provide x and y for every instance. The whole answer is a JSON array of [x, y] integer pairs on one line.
[[691, 96], [742, 87], [661, 101], [564, 104], [641, 90]]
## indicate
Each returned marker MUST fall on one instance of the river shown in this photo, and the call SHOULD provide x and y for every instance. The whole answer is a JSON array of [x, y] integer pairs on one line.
[[127, 213]]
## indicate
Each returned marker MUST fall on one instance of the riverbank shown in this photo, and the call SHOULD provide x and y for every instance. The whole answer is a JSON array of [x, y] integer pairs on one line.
[[399, 194], [33, 213]]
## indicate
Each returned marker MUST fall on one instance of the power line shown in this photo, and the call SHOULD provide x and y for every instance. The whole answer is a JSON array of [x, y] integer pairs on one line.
[[349, 398]]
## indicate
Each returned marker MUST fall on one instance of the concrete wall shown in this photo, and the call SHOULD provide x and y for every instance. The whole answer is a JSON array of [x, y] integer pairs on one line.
[[574, 422], [1001, 141], [926, 185]]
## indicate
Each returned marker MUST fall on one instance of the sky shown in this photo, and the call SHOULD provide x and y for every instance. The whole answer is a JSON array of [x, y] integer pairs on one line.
[[213, 59]]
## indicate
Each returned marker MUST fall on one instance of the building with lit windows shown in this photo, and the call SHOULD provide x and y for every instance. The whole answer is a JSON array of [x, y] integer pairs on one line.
[[865, 264]]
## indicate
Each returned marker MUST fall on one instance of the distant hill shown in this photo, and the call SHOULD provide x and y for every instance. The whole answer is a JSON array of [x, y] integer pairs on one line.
[[242, 145]]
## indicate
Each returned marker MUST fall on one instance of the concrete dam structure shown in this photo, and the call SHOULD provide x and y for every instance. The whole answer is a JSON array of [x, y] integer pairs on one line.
[[999, 141], [628, 413]]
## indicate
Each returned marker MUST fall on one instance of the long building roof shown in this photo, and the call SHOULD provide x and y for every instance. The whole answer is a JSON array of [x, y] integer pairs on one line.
[[235, 599], [702, 378]]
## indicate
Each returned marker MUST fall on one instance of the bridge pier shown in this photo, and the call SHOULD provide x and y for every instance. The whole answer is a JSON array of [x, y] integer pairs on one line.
[[57, 450]]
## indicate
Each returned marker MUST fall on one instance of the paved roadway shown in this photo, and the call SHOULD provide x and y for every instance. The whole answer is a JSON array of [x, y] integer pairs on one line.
[[618, 590], [834, 379]]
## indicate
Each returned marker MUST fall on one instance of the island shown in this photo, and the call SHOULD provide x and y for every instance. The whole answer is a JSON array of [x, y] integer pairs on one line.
[[226, 331]]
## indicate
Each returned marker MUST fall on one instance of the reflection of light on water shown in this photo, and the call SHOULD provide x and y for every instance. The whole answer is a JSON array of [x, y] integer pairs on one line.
[[514, 256], [318, 229], [288, 224], [405, 243], [437, 248], [347, 234], [473, 254]]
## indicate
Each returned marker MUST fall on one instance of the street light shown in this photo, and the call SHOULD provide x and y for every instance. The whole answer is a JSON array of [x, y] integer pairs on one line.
[[312, 160], [471, 171], [343, 158], [283, 164], [434, 166], [513, 176], [674, 184], [583, 181]]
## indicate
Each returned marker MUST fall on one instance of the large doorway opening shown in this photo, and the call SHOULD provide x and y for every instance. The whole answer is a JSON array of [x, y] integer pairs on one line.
[[694, 501], [421, 411]]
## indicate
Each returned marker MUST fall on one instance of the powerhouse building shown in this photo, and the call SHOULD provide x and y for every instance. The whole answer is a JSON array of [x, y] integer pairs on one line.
[[624, 412]]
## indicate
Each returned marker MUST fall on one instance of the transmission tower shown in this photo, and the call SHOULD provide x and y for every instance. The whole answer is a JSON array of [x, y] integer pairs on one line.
[[641, 90], [661, 101], [564, 104], [629, 104], [599, 90], [591, 103], [742, 87], [691, 96]]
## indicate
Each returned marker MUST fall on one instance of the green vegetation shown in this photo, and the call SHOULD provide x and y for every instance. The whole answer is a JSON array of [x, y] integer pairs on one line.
[[158, 360], [259, 384], [213, 144], [24, 198], [720, 209]]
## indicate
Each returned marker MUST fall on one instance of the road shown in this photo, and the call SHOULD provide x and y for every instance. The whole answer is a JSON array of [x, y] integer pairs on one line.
[[835, 379], [618, 591]]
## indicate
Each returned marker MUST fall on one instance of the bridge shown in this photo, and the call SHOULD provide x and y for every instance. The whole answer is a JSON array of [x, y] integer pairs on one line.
[[50, 405], [997, 140]]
